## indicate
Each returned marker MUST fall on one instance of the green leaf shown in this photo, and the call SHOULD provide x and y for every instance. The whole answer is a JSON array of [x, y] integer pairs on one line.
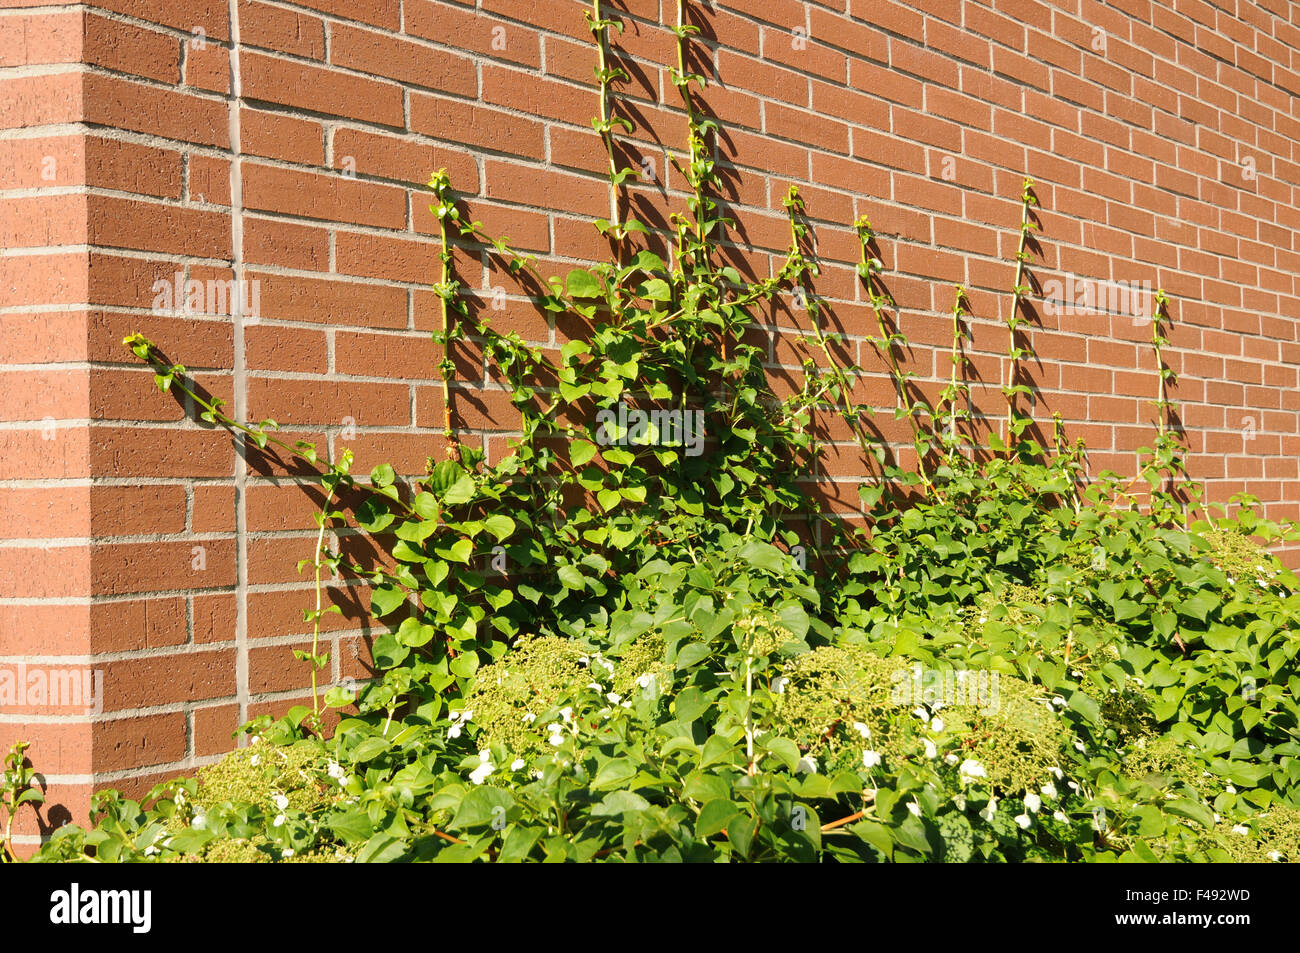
[[1087, 706], [785, 750], [370, 748], [581, 452], [764, 556], [499, 525], [617, 803], [457, 552], [581, 283], [381, 849], [352, 827], [481, 806], [1184, 807], [571, 578], [385, 599], [716, 816], [462, 491], [1199, 604], [464, 665], [656, 289], [614, 773], [690, 704], [875, 834], [426, 506]]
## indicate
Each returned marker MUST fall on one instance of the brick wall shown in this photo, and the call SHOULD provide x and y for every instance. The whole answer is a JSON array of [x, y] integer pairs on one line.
[[285, 146]]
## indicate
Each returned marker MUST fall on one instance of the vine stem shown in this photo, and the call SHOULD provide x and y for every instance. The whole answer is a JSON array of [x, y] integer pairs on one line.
[[315, 629], [601, 31], [749, 705], [798, 268], [693, 139], [9, 825], [1161, 392], [1013, 366], [448, 366], [958, 360], [867, 268], [856, 815]]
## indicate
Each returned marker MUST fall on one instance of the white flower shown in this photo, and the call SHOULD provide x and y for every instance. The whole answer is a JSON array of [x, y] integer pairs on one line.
[[516, 764], [870, 759], [1274, 855], [200, 821], [556, 732], [1057, 773], [807, 765], [596, 686], [951, 757], [280, 801], [914, 808], [862, 729], [779, 683], [1060, 816], [150, 851], [1241, 829], [920, 712], [255, 760], [279, 820], [989, 809], [930, 750], [1230, 789], [485, 767], [1058, 701], [1049, 791], [1072, 785], [614, 697], [936, 725], [287, 852], [458, 721], [335, 770], [1033, 802], [566, 713], [960, 801], [529, 718], [1023, 820], [1078, 746], [970, 770]]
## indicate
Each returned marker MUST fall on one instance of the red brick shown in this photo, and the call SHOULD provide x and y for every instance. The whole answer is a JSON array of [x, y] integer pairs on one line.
[[334, 198], [410, 62], [300, 85], [320, 300], [277, 136]]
